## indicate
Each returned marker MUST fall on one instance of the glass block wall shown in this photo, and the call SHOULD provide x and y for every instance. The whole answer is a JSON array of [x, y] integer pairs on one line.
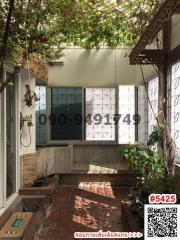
[[175, 107], [100, 109], [153, 90], [127, 112]]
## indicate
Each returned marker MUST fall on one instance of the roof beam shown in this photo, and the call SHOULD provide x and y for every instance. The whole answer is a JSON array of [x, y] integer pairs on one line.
[[177, 9], [150, 56], [164, 14]]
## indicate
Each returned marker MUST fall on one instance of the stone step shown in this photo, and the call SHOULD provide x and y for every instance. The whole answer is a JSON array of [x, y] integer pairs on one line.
[[121, 179]]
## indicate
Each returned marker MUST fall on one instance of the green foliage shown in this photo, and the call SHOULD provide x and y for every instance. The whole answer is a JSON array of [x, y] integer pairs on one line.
[[148, 163], [156, 134], [52, 24], [150, 167]]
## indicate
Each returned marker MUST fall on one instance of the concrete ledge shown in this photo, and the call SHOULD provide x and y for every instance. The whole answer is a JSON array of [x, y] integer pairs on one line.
[[37, 199], [47, 189], [122, 179], [37, 219], [41, 200]]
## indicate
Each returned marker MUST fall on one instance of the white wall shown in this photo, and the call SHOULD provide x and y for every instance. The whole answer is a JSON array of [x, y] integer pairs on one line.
[[24, 79], [80, 158], [104, 67], [175, 34]]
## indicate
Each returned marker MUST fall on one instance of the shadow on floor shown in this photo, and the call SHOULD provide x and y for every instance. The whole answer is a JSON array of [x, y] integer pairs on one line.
[[87, 208]]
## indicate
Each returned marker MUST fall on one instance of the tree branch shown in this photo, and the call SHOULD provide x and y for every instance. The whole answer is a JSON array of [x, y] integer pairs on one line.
[[5, 38]]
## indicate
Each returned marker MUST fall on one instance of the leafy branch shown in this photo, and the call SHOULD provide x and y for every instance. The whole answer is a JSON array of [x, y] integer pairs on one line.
[[52, 24]]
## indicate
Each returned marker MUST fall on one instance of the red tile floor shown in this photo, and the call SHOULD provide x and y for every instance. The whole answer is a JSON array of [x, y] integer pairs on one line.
[[87, 208]]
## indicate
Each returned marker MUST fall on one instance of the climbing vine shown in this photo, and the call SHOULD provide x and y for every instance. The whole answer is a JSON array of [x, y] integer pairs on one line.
[[52, 24]]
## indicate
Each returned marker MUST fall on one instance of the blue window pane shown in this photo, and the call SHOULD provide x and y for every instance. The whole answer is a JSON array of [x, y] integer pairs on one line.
[[66, 114]]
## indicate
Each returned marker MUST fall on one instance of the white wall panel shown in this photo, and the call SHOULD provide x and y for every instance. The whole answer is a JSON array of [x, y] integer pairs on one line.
[[103, 67], [127, 109]]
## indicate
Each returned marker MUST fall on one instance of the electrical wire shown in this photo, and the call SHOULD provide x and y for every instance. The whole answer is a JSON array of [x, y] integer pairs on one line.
[[21, 135], [149, 101]]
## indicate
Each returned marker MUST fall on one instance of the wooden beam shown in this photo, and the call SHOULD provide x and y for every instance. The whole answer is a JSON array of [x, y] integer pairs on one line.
[[149, 57], [177, 9], [163, 73], [158, 23]]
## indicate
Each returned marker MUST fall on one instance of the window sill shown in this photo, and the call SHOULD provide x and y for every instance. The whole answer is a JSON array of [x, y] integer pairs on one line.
[[80, 144]]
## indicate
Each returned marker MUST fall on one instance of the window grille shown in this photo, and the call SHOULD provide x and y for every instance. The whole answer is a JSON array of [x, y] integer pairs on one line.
[[153, 90], [100, 111], [175, 107]]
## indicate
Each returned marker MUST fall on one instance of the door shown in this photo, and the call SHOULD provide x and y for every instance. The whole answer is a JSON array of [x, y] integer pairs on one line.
[[10, 145]]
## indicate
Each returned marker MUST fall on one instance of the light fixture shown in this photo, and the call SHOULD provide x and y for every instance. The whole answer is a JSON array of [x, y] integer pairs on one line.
[[30, 96]]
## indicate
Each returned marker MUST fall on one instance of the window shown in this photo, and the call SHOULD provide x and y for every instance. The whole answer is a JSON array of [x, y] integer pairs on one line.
[[175, 107], [66, 114], [100, 109], [41, 116], [92, 114], [153, 89]]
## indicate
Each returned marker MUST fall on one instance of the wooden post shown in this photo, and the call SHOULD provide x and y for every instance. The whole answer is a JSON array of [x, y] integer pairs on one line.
[[163, 81], [163, 74]]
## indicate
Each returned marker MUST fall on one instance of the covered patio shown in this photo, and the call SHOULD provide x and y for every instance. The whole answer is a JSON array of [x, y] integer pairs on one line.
[[89, 123]]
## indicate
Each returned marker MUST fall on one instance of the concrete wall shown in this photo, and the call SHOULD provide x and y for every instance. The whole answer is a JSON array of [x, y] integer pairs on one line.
[[53, 160], [24, 79], [104, 67], [80, 158]]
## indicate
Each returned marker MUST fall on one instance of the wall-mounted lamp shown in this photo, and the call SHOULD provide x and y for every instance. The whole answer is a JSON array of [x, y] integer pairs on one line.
[[30, 96]]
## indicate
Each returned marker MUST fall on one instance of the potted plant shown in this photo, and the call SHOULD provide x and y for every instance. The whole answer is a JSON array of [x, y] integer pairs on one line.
[[151, 169]]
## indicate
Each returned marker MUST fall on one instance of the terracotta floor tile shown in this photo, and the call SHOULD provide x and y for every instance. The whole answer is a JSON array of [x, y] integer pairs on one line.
[[90, 207]]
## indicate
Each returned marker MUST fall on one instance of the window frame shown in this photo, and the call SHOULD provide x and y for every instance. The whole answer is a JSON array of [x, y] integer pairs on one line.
[[116, 134], [46, 112], [83, 141], [4, 201]]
